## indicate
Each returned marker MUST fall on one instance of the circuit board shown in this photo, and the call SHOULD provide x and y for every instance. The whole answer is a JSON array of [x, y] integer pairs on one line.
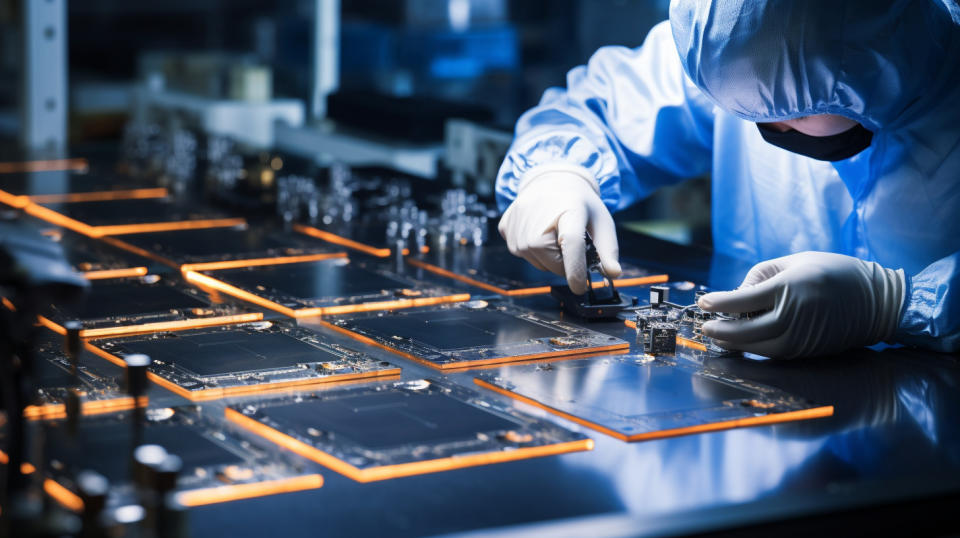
[[98, 218], [144, 304], [472, 334], [639, 397], [55, 186], [99, 383], [219, 465], [331, 286], [384, 431], [223, 247], [216, 362], [493, 268]]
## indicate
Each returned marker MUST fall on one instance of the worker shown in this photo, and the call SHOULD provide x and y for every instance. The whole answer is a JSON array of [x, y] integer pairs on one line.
[[831, 130]]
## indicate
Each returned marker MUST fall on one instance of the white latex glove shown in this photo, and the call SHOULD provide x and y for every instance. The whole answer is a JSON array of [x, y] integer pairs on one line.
[[545, 224], [813, 303]]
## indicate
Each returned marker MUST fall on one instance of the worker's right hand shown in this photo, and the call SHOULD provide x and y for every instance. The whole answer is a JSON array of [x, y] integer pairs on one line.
[[545, 224]]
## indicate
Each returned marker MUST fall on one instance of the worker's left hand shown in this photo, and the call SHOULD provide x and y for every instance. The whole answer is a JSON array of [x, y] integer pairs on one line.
[[811, 303]]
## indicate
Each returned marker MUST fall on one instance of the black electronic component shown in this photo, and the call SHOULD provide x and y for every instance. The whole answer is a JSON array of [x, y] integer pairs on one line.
[[600, 302], [137, 304], [107, 213], [391, 430], [333, 286], [659, 295], [476, 333], [662, 337], [216, 362], [641, 397], [217, 465]]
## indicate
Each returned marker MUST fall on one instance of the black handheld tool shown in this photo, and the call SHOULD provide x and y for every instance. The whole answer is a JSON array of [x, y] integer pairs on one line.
[[600, 302]]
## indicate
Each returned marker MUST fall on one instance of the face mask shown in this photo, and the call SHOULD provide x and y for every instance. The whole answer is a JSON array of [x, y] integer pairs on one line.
[[822, 148]]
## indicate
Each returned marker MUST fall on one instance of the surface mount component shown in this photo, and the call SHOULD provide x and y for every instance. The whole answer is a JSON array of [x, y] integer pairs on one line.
[[665, 328], [55, 186], [639, 397], [476, 333], [224, 247], [117, 217], [218, 465], [332, 286], [144, 304], [493, 268], [408, 428], [99, 382], [216, 362]]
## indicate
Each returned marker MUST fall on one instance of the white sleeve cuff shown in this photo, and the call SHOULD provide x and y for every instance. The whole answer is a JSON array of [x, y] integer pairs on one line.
[[542, 170]]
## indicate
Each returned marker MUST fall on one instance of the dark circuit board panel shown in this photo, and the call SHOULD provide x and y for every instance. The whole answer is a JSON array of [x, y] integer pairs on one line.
[[219, 464], [95, 258], [99, 383], [384, 431], [116, 217], [216, 362], [331, 286], [143, 304], [472, 334], [17, 189], [493, 268], [232, 246], [639, 397]]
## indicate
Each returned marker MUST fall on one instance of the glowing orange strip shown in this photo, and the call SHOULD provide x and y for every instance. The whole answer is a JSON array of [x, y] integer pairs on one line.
[[464, 365], [115, 273], [99, 196], [225, 392], [59, 219], [537, 290], [205, 281], [403, 469], [235, 492], [63, 496], [773, 418], [7, 304], [93, 407], [681, 341], [159, 326], [124, 229], [391, 305], [13, 200], [342, 241], [256, 262], [52, 165]]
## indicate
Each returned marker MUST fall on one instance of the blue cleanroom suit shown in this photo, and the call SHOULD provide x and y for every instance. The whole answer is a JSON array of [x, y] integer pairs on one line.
[[685, 103]]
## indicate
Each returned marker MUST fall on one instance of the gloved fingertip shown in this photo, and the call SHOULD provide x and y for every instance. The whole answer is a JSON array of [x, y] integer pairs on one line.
[[705, 302], [612, 269], [708, 328]]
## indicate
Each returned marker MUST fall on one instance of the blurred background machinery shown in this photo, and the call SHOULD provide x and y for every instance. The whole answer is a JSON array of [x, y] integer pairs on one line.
[[428, 87]]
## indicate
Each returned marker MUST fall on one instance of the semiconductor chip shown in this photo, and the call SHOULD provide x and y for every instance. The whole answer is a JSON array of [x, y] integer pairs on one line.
[[401, 429], [331, 286], [477, 333], [142, 304], [641, 397], [216, 362]]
